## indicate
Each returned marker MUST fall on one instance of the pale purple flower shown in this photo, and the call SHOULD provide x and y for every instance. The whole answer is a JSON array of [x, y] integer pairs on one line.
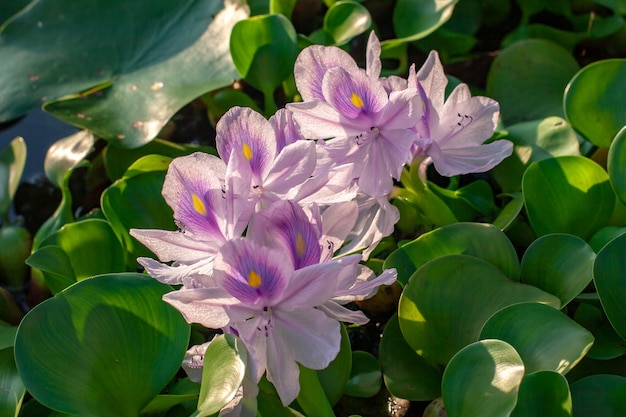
[[210, 205], [280, 166], [452, 132], [257, 294], [368, 126]]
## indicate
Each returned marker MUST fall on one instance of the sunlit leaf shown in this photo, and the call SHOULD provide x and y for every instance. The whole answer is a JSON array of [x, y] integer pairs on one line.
[[225, 362], [346, 19], [448, 300], [66, 153], [594, 100], [482, 379], [528, 79], [544, 337], [560, 264], [477, 239], [124, 86], [567, 194], [533, 141], [12, 161], [105, 346]]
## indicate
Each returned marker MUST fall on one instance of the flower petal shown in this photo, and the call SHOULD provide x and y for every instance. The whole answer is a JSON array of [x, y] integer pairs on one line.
[[458, 161], [205, 306], [170, 245], [312, 64], [354, 94]]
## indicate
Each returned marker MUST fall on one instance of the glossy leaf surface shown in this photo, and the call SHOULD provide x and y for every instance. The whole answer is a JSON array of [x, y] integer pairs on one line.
[[608, 273], [567, 194], [616, 164], [365, 377], [595, 98], [448, 300], [560, 264], [482, 379], [527, 70], [12, 161], [346, 19], [416, 19], [599, 395], [476, 239], [106, 346], [544, 337]]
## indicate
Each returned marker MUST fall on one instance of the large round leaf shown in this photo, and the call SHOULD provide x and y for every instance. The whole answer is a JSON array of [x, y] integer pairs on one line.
[[567, 194], [482, 379], [416, 19], [335, 376], [608, 276], [346, 19], [545, 338], [406, 374], [224, 368], [76, 251], [126, 85], [543, 393], [477, 239], [560, 264], [448, 300], [616, 164], [365, 377], [528, 79], [599, 395], [136, 202], [533, 141], [103, 347], [595, 100], [264, 49]]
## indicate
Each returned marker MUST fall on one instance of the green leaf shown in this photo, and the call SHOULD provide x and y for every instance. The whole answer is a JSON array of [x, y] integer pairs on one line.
[[448, 300], [482, 379], [406, 374], [136, 202], [616, 164], [225, 362], [334, 377], [481, 240], [604, 236], [163, 402], [594, 100], [105, 346], [65, 154], [599, 395], [567, 194], [560, 264], [11, 387], [124, 87], [365, 378], [608, 278], [528, 79], [544, 337], [117, 160], [345, 20], [79, 250], [311, 398], [608, 344], [12, 161], [533, 141], [543, 393], [416, 19], [264, 49]]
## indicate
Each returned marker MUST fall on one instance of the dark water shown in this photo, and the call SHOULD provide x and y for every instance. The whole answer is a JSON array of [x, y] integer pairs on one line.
[[39, 130]]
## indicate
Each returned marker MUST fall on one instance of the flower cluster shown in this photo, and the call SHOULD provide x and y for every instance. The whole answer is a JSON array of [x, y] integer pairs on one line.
[[272, 232]]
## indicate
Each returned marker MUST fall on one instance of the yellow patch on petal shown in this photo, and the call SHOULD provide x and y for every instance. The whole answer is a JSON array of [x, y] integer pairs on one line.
[[300, 245], [254, 279], [247, 151], [356, 100], [198, 204]]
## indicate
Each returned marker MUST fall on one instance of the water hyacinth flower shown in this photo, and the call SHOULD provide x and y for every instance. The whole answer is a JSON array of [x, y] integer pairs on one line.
[[210, 204], [452, 131], [367, 125]]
